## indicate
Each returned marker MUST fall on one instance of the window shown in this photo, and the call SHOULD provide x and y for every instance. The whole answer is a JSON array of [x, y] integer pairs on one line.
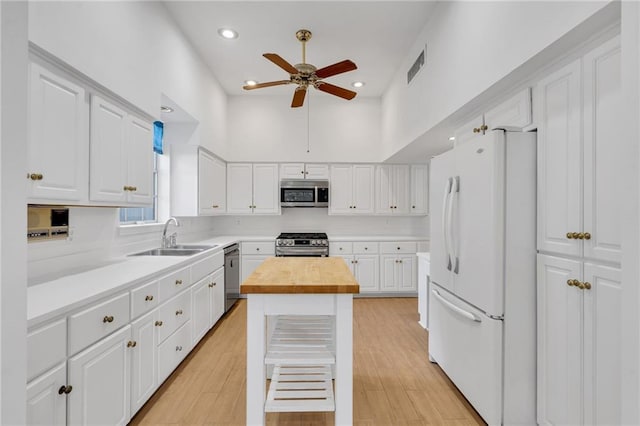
[[138, 215]]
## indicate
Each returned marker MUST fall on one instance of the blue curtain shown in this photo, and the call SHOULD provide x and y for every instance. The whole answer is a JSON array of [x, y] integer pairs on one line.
[[158, 131]]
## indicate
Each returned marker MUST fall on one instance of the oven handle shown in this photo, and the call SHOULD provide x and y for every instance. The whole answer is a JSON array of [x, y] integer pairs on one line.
[[319, 251]]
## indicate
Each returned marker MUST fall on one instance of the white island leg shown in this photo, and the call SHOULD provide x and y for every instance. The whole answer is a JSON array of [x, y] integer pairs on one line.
[[344, 359], [256, 391]]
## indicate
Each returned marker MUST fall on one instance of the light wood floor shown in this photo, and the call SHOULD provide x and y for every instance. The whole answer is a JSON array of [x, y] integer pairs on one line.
[[393, 381]]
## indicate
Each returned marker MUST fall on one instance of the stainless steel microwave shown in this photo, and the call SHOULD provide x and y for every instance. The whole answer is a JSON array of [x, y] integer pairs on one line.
[[304, 193]]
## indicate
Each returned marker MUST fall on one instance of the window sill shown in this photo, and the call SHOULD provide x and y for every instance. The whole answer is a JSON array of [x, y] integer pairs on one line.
[[142, 228]]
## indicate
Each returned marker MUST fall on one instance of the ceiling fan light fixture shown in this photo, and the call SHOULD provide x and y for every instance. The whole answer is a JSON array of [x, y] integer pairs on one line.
[[250, 82], [227, 33], [358, 84]]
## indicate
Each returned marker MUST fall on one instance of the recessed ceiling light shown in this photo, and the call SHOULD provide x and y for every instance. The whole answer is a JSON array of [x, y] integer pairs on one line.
[[227, 33], [166, 109], [250, 82], [452, 138], [357, 84]]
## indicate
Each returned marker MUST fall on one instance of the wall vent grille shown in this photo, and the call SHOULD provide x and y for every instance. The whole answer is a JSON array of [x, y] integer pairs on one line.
[[417, 66]]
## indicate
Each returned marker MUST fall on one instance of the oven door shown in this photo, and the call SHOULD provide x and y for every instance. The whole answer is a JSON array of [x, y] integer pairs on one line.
[[302, 251]]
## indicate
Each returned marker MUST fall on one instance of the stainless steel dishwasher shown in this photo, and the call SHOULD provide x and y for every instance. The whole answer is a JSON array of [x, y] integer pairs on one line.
[[231, 275]]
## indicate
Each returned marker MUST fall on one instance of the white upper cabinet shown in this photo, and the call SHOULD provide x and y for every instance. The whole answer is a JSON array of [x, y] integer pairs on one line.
[[393, 191], [578, 155], [58, 148], [121, 159], [252, 188], [352, 189], [304, 171], [419, 190], [512, 114], [198, 182]]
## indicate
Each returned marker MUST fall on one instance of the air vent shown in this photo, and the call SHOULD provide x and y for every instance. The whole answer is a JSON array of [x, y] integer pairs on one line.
[[417, 66]]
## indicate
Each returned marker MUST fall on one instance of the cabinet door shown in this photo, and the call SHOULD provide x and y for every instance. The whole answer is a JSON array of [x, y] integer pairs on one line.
[[239, 188], [217, 296], [602, 345], [559, 342], [384, 189], [419, 189], [558, 112], [406, 278], [201, 303], [58, 129], [139, 153], [401, 192], [249, 264], [100, 377], [206, 185], [316, 171], [144, 360], [363, 189], [292, 171], [266, 189], [45, 406], [341, 190], [219, 187], [603, 139], [108, 159], [350, 261], [388, 275], [367, 267], [512, 114]]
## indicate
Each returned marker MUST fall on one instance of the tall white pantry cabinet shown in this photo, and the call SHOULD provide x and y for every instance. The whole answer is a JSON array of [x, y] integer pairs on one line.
[[579, 240]]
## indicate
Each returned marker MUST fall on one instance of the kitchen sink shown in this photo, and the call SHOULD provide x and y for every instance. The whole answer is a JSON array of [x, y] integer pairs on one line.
[[179, 250]]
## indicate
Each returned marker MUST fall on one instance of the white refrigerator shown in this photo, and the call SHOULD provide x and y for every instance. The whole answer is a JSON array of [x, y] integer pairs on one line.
[[482, 310]]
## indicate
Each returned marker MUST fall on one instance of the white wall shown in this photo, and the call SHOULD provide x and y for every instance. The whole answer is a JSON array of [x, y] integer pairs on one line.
[[13, 215], [134, 49], [470, 47], [266, 128]]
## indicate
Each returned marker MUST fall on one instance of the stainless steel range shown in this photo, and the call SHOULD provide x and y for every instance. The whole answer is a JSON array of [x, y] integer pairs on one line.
[[302, 244]]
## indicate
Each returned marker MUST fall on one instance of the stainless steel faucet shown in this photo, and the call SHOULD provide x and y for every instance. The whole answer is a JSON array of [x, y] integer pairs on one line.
[[169, 241]]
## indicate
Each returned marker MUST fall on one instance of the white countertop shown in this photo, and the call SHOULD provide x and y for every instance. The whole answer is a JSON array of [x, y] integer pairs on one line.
[[54, 298]]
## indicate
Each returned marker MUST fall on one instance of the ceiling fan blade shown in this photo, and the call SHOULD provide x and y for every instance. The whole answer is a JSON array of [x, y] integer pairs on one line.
[[337, 68], [336, 90], [298, 97], [279, 61], [267, 84]]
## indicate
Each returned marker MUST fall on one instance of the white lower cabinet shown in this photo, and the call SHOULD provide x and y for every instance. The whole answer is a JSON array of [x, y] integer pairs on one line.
[[217, 295], [579, 342], [201, 304], [173, 350], [398, 272], [100, 376], [144, 366], [253, 254], [46, 403]]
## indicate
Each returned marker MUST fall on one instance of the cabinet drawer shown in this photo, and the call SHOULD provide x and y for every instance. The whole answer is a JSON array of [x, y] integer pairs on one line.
[[365, 247], [46, 346], [398, 247], [173, 314], [340, 247], [262, 247], [204, 267], [173, 350], [144, 298], [94, 323], [174, 283]]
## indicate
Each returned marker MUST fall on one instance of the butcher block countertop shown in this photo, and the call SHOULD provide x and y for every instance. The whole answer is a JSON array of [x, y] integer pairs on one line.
[[301, 275]]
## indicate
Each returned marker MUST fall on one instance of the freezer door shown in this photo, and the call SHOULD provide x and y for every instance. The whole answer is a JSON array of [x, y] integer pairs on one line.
[[441, 171], [477, 238], [468, 347]]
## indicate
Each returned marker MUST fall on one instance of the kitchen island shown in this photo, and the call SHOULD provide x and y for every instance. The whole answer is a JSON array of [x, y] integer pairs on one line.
[[300, 286]]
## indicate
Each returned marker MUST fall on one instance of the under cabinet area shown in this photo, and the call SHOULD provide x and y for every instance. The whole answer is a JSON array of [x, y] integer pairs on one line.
[[198, 182]]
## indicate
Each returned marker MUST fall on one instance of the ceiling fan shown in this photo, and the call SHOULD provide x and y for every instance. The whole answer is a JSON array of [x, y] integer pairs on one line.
[[305, 75]]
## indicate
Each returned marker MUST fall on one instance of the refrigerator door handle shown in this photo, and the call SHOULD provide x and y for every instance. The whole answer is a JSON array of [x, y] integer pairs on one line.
[[453, 256], [454, 308], [445, 228]]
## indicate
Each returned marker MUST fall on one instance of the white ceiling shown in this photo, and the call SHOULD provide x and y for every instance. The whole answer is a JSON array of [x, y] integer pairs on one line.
[[376, 35]]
